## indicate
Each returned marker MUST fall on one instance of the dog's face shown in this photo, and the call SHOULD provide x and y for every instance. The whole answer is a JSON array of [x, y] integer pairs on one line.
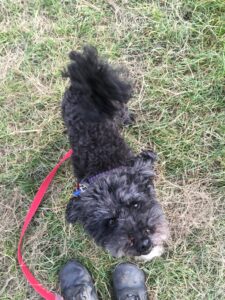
[[120, 211]]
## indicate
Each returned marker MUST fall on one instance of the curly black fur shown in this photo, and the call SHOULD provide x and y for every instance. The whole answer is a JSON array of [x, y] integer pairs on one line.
[[119, 210], [95, 95]]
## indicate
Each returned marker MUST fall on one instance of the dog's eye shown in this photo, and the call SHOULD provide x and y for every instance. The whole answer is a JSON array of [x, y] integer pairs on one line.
[[135, 204], [111, 222], [150, 230]]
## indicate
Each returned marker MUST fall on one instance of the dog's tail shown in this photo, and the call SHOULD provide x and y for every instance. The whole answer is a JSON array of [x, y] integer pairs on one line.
[[98, 87]]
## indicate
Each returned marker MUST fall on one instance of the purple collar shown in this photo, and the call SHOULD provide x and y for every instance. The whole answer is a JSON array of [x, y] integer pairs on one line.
[[92, 179], [84, 183]]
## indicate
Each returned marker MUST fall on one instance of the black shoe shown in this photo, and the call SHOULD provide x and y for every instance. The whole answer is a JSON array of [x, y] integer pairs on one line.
[[129, 283], [76, 282]]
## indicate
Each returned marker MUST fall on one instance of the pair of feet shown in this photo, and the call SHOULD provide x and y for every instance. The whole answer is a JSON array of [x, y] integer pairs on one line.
[[76, 283]]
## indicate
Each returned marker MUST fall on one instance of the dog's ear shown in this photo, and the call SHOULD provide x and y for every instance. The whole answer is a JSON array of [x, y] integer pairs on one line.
[[73, 210], [144, 164]]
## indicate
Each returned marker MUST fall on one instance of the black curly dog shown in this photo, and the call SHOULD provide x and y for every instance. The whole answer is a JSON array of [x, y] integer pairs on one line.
[[119, 207]]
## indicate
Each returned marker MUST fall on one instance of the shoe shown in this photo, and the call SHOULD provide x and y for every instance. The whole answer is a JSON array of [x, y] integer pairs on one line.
[[129, 283], [76, 283]]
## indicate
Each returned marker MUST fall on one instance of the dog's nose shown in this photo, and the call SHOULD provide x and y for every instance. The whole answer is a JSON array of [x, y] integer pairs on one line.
[[145, 245]]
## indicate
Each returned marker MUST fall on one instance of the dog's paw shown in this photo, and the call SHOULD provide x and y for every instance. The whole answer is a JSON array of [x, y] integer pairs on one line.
[[148, 155], [156, 252]]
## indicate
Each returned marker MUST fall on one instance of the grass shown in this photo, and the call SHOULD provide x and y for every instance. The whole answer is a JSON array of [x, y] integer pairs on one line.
[[174, 51]]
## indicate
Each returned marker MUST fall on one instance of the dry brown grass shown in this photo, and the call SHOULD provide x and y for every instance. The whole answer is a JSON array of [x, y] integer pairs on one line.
[[189, 207]]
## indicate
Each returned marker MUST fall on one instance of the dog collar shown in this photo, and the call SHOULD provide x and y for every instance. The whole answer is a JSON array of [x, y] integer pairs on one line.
[[84, 183], [92, 179]]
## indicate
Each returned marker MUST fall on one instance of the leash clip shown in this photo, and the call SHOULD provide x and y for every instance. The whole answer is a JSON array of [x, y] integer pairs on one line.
[[81, 187]]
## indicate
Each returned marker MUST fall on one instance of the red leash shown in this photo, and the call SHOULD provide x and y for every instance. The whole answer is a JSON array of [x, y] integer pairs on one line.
[[31, 212]]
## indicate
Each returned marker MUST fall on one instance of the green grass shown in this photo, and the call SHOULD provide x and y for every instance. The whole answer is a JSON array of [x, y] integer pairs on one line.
[[175, 54]]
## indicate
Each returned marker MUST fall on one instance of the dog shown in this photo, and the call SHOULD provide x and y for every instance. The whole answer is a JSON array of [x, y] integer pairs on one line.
[[117, 202]]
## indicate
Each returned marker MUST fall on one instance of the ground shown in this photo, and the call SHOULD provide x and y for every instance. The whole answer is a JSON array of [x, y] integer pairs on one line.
[[174, 53]]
